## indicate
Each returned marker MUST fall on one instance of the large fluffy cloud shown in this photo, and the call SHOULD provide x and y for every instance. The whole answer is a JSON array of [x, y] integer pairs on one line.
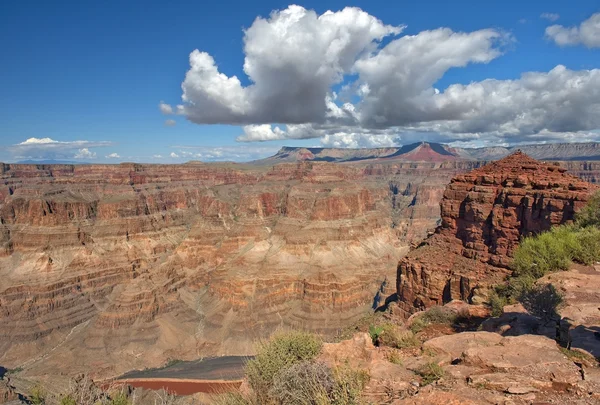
[[351, 80], [292, 59], [47, 148], [587, 33]]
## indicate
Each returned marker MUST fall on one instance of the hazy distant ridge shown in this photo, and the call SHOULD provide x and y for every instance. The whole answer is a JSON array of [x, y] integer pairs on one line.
[[434, 152]]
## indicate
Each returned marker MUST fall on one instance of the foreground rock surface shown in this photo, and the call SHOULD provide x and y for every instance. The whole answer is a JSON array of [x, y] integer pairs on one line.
[[478, 368], [484, 214]]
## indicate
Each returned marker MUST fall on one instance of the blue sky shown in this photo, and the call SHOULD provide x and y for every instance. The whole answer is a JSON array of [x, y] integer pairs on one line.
[[96, 73]]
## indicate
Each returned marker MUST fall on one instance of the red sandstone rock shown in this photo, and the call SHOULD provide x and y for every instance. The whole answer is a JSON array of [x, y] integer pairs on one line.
[[484, 214], [106, 262]]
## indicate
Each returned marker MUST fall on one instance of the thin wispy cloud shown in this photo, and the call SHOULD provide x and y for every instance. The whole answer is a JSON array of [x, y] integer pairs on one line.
[[48, 148], [550, 16]]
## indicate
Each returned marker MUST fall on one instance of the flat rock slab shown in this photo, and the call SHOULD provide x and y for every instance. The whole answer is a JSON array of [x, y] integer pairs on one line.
[[514, 363]]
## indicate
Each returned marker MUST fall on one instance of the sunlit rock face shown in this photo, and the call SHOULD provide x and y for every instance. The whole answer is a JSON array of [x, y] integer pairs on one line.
[[484, 214], [124, 266]]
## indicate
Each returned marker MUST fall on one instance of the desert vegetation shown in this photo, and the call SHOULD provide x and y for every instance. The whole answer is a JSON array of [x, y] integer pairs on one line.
[[547, 252], [286, 371]]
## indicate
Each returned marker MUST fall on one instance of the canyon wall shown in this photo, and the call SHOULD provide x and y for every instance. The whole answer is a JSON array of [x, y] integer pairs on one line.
[[124, 266], [484, 214], [116, 267]]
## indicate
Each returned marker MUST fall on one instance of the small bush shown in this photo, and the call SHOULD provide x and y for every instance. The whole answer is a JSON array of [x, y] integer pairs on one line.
[[547, 252], [349, 385], [589, 241], [119, 399], [389, 334], [68, 400], [590, 214], [497, 302], [305, 383], [394, 358], [375, 333], [37, 395], [283, 350], [430, 373], [433, 316], [542, 301], [406, 340]]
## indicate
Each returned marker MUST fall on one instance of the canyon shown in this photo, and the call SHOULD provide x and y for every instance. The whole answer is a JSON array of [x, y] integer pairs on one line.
[[109, 268], [118, 267]]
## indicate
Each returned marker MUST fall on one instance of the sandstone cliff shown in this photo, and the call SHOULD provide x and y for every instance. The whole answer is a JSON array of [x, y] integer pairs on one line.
[[124, 266], [484, 214]]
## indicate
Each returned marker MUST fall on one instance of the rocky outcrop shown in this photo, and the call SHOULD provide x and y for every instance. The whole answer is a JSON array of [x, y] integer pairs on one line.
[[472, 368], [484, 214]]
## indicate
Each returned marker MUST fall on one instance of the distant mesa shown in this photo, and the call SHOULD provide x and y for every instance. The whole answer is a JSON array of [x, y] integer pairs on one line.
[[434, 152]]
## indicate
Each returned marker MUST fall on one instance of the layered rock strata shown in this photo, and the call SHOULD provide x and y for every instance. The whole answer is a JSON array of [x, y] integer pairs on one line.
[[123, 266], [484, 214]]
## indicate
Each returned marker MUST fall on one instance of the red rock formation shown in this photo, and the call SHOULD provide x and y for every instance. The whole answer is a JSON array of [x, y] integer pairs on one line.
[[484, 214], [101, 262]]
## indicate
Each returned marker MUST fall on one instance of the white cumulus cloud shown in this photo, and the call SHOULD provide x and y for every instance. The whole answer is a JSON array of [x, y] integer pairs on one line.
[[113, 156], [174, 155], [85, 153], [293, 58], [165, 108], [587, 33], [352, 80]]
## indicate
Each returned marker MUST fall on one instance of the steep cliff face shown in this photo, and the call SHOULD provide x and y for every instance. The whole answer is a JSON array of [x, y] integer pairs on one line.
[[100, 263], [484, 214]]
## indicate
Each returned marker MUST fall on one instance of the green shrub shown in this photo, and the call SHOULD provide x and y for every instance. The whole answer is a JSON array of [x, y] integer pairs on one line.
[[68, 400], [120, 399], [283, 350], [394, 358], [497, 302], [590, 214], [542, 301], [349, 385], [375, 333], [306, 383], [37, 395], [547, 252], [407, 340], [430, 373], [389, 334], [589, 240], [433, 316]]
